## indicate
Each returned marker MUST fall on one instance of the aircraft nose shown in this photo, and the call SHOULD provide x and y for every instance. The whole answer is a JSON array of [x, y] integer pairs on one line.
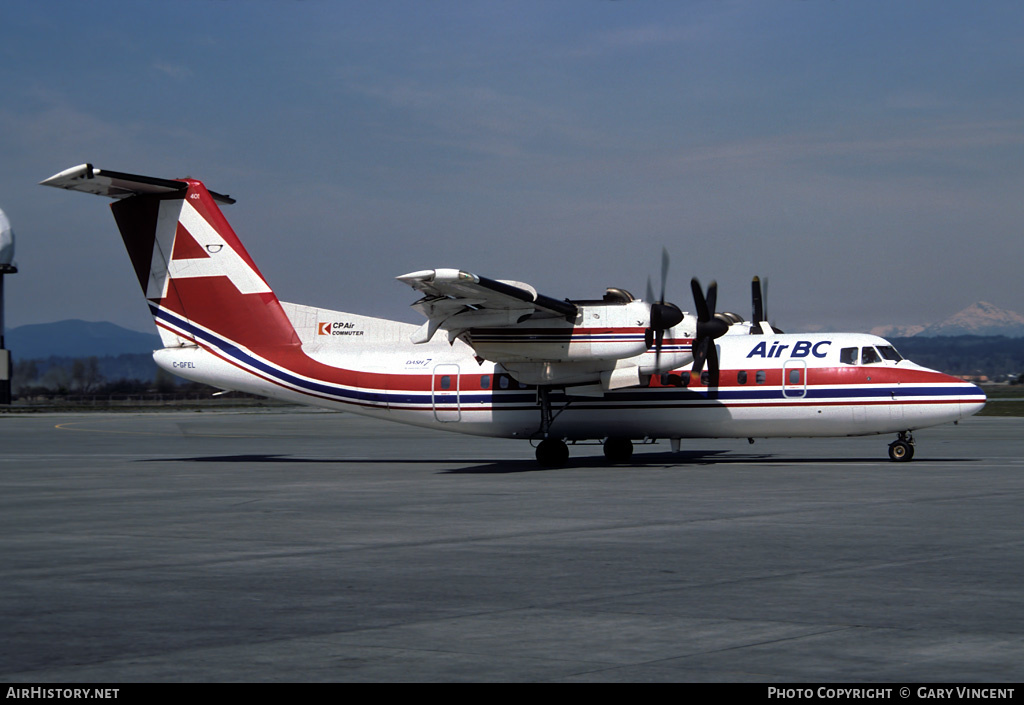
[[970, 397], [972, 400]]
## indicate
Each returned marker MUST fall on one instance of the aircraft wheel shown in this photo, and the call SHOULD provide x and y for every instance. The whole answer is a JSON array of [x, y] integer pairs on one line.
[[552, 453], [618, 450], [900, 451]]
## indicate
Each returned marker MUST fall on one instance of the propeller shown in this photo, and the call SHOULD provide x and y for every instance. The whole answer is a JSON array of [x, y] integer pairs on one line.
[[664, 315], [709, 327], [759, 295]]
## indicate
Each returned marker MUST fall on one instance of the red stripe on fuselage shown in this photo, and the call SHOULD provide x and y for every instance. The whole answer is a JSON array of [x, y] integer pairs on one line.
[[825, 376]]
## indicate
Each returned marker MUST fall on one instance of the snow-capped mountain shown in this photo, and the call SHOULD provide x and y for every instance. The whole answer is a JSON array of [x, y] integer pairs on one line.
[[897, 331], [981, 318]]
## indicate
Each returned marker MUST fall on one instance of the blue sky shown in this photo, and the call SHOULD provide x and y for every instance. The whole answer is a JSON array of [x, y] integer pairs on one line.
[[866, 157]]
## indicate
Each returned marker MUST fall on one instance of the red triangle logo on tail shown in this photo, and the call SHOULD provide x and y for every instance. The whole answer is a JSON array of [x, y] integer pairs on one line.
[[186, 247]]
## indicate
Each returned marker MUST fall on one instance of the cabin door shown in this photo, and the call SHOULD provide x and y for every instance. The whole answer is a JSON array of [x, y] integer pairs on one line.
[[445, 393], [794, 379]]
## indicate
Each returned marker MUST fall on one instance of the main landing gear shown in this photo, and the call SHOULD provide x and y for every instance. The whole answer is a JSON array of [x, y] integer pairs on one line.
[[553, 452], [902, 449], [618, 450]]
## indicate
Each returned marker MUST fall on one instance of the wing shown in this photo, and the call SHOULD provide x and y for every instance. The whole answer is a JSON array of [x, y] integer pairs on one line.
[[587, 346], [456, 301]]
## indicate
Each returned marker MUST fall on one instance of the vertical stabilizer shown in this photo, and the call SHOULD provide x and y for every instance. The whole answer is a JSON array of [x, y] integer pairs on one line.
[[196, 275], [202, 286]]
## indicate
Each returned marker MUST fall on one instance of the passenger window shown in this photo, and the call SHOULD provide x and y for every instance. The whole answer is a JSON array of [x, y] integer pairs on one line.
[[794, 376], [848, 356], [741, 377], [684, 379], [868, 356], [485, 381], [446, 382], [503, 381], [671, 380], [705, 376], [759, 377]]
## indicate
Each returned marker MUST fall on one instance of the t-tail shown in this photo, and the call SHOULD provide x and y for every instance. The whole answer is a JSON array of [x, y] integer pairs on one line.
[[202, 286]]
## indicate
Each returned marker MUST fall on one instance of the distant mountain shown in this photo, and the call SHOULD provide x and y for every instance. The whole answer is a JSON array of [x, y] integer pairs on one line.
[[896, 331], [982, 319], [75, 338]]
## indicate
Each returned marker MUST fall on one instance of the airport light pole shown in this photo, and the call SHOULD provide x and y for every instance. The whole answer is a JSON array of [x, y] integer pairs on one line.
[[6, 267]]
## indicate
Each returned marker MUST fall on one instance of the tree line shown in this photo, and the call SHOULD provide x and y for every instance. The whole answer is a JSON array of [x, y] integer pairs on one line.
[[128, 374], [995, 356]]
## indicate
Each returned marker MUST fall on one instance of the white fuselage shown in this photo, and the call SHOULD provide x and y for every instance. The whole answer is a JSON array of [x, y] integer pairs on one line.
[[769, 385]]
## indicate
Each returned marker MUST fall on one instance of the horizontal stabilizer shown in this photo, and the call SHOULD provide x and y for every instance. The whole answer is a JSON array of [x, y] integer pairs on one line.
[[115, 184]]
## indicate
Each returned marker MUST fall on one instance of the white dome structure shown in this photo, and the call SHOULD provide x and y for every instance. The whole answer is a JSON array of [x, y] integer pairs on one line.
[[6, 241]]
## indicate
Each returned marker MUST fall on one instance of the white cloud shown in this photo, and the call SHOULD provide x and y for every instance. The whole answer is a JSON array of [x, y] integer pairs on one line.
[[175, 71]]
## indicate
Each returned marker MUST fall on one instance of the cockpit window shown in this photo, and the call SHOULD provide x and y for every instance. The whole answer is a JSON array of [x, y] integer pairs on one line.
[[889, 353], [848, 356], [869, 356]]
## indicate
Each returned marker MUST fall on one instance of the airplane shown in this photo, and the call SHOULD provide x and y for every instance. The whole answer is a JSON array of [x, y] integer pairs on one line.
[[496, 358]]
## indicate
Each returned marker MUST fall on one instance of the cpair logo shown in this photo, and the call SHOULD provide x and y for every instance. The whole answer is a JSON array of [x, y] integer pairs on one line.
[[347, 328]]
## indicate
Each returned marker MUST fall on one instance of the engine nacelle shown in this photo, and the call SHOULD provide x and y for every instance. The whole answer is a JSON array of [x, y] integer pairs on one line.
[[600, 333]]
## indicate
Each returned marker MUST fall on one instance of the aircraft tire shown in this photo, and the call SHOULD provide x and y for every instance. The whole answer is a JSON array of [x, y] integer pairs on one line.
[[618, 450], [901, 451], [552, 453]]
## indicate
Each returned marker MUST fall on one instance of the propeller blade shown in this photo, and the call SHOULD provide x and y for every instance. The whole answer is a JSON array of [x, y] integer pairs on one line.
[[758, 301], [664, 273], [712, 364], [700, 353], [764, 296], [759, 298], [712, 297], [705, 353], [699, 301]]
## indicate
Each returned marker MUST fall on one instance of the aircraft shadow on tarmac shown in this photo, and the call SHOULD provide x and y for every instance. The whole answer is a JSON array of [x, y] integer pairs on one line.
[[680, 460], [676, 461]]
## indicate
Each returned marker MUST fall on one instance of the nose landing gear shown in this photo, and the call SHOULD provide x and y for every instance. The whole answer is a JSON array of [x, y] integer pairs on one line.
[[902, 449]]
